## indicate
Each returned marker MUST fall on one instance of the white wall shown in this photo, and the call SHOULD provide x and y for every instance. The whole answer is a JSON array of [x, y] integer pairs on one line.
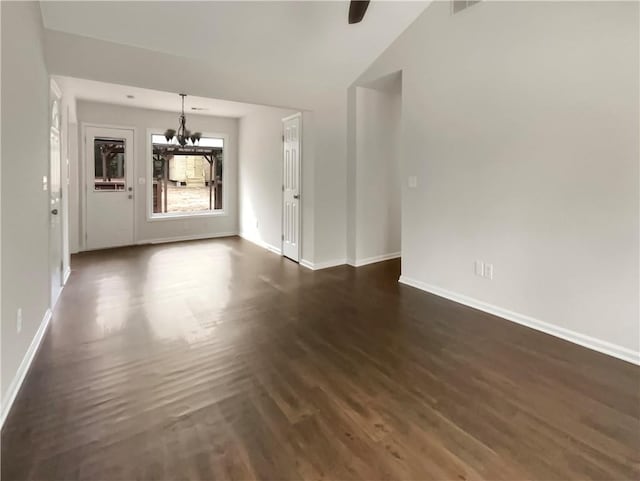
[[330, 178], [218, 53], [25, 160], [377, 179], [260, 176], [142, 119], [520, 120], [308, 187]]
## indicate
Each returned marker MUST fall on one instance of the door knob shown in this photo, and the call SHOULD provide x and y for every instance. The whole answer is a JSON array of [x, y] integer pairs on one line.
[[296, 196], [130, 196], [54, 211]]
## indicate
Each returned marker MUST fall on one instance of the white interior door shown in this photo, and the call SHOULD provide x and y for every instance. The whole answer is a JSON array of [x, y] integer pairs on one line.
[[55, 204], [291, 188], [109, 187]]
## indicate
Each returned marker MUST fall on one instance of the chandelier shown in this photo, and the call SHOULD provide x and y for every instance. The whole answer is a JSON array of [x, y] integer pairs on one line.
[[182, 135]]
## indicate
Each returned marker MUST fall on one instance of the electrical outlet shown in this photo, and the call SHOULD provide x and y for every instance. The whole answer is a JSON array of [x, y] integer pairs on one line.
[[488, 271], [479, 268], [19, 320]]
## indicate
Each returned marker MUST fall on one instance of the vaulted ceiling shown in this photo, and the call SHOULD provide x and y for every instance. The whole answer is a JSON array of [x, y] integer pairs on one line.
[[270, 50]]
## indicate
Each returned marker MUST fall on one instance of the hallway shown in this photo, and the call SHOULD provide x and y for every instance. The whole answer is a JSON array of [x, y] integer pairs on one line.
[[216, 359]]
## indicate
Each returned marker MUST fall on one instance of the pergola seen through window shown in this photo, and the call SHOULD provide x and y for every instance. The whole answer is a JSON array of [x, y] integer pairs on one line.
[[187, 179]]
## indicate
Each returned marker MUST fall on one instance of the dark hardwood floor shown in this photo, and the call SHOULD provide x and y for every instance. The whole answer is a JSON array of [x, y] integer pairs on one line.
[[218, 360]]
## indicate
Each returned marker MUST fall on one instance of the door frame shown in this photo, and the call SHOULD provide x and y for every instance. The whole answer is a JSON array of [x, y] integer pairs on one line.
[[301, 199], [83, 184], [55, 95]]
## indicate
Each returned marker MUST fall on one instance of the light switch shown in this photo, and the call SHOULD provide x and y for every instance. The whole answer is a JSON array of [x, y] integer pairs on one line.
[[488, 271], [413, 182], [479, 268], [45, 183]]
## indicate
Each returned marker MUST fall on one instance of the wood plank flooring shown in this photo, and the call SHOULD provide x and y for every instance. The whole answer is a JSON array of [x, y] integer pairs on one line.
[[218, 360]]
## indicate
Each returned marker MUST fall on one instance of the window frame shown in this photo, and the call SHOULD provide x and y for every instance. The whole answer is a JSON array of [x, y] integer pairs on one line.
[[151, 217]]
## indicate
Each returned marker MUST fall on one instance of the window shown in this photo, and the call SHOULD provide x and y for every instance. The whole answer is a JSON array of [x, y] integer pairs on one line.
[[186, 180], [109, 165]]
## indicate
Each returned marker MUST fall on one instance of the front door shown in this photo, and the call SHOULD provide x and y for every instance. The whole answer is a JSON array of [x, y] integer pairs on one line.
[[55, 204], [291, 188], [109, 187]]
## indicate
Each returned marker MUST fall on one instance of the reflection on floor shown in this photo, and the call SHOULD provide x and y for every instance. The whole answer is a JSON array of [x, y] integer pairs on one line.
[[219, 360]]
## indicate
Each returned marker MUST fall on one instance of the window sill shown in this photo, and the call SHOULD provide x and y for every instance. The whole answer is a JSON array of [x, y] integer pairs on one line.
[[186, 215]]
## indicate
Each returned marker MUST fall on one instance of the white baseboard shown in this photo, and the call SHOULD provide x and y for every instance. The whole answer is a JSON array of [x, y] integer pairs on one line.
[[273, 249], [65, 276], [372, 260], [23, 369], [306, 263], [260, 243], [599, 345], [322, 265], [164, 240]]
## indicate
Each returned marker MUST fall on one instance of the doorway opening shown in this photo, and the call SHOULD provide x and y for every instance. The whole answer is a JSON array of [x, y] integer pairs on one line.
[[56, 212], [376, 171]]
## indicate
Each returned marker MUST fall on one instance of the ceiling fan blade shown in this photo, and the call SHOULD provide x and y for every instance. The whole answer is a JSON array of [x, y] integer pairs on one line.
[[357, 9]]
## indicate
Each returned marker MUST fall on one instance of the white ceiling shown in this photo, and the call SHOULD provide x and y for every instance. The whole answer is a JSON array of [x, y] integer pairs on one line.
[[150, 99], [296, 45]]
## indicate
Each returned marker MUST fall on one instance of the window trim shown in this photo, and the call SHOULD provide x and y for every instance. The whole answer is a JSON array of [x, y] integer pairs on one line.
[[151, 217]]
